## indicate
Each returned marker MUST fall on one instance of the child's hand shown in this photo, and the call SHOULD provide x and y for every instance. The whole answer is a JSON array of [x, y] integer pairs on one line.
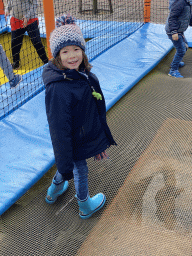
[[24, 21], [175, 37]]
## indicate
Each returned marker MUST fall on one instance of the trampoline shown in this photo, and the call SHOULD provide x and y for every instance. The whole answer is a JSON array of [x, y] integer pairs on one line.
[[147, 180], [148, 208]]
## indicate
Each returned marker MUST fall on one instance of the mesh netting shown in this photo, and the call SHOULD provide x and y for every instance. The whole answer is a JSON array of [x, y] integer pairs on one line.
[[147, 182], [110, 21], [159, 11]]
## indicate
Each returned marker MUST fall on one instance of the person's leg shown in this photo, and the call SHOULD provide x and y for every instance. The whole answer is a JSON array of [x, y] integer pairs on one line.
[[34, 34], [180, 47], [80, 173], [87, 205], [59, 186], [5, 64], [16, 43]]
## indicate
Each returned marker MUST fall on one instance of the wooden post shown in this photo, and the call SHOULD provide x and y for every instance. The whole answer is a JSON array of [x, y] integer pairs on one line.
[[49, 21], [147, 9], [1, 7]]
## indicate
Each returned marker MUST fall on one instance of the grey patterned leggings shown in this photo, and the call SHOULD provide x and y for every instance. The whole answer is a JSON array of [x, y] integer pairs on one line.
[[5, 64]]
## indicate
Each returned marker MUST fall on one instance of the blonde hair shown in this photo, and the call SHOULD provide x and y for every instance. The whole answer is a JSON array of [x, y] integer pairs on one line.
[[85, 63]]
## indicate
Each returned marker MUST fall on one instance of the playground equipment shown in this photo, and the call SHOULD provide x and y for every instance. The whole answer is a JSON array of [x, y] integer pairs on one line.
[[147, 180]]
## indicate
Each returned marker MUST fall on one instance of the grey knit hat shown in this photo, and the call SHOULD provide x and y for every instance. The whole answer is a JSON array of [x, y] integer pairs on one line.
[[67, 33]]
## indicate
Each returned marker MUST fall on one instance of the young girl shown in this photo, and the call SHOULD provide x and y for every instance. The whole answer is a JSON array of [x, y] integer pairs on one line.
[[76, 114]]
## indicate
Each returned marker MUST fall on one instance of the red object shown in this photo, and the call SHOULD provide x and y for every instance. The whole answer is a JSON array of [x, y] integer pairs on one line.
[[1, 7], [17, 24], [49, 21]]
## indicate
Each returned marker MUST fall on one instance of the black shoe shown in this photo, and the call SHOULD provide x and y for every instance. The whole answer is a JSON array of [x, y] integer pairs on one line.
[[46, 61], [15, 65]]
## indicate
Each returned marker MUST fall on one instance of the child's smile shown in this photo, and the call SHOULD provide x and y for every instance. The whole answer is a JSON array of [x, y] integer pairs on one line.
[[71, 56]]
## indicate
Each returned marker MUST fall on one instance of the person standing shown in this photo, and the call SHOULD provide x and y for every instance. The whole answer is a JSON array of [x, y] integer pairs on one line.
[[179, 18], [76, 113], [24, 18]]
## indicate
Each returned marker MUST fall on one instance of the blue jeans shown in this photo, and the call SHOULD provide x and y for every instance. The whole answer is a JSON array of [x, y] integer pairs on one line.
[[80, 173], [5, 64], [180, 51]]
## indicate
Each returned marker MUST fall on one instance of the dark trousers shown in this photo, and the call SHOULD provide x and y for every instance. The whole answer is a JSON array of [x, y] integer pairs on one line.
[[180, 46], [34, 34]]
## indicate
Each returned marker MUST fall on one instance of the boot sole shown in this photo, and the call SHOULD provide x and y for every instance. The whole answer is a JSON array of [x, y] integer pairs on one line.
[[97, 209]]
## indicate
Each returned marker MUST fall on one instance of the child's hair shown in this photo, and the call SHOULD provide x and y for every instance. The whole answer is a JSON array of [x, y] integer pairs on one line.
[[85, 63]]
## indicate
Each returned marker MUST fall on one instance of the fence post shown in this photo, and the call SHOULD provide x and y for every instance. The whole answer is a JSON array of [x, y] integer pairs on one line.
[[147, 9], [49, 21], [1, 7]]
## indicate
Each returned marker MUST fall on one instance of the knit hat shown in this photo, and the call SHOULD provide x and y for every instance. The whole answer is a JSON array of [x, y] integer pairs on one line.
[[67, 33]]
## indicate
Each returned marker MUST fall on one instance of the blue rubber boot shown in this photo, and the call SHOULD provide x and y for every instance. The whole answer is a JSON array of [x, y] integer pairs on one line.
[[56, 190], [91, 205]]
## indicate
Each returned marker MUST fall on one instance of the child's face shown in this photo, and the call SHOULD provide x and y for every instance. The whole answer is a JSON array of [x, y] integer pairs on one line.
[[71, 56]]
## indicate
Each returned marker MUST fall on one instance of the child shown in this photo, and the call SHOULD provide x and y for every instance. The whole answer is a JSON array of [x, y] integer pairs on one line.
[[5, 65], [180, 17], [76, 114]]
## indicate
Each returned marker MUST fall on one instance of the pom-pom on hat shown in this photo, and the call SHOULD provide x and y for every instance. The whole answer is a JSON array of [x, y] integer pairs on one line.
[[67, 33]]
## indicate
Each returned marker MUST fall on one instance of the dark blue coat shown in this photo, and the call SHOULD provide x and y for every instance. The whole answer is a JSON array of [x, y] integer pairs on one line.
[[180, 16], [77, 120]]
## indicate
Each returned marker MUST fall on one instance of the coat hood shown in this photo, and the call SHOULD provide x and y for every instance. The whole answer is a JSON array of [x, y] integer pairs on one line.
[[51, 74]]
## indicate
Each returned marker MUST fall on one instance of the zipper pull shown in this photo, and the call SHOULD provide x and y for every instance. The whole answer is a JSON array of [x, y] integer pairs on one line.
[[65, 77], [96, 95]]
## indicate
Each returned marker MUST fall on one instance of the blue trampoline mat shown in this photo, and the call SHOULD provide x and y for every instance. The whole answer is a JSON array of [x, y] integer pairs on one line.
[[25, 145]]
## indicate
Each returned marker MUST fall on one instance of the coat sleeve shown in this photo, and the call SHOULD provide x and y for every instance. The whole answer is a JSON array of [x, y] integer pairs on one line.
[[8, 6], [32, 10], [190, 23], [58, 110], [175, 12]]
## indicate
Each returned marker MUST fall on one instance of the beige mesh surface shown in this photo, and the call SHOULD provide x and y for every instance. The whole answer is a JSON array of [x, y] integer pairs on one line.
[[147, 182], [148, 215]]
